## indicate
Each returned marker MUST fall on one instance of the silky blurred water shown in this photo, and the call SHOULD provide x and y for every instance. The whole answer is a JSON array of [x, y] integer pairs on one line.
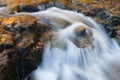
[[99, 61]]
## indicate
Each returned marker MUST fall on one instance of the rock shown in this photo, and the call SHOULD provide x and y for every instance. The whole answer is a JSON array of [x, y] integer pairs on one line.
[[83, 41], [114, 20], [21, 46], [20, 5], [6, 40], [83, 38], [20, 21], [116, 33], [79, 31], [106, 13], [22, 8], [15, 6], [6, 69], [22, 37]]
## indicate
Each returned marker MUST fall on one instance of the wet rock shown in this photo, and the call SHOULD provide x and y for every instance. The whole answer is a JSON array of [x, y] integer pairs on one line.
[[21, 44], [116, 33], [106, 13], [6, 40], [21, 52], [79, 31], [6, 71], [83, 39], [25, 42], [2, 3], [15, 6], [43, 28], [27, 9], [20, 5], [114, 20]]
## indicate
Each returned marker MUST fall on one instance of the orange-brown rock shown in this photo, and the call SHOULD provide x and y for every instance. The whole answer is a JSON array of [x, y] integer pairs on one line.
[[14, 5], [84, 1], [20, 46], [19, 21], [43, 1], [113, 7]]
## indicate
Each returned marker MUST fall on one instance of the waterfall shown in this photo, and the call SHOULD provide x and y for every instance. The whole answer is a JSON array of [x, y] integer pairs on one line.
[[100, 60]]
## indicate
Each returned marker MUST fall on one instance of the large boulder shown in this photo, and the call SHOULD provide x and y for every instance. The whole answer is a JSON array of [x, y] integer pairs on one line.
[[21, 46]]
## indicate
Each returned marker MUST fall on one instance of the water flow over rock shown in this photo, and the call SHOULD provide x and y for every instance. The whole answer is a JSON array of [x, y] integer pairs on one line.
[[99, 60]]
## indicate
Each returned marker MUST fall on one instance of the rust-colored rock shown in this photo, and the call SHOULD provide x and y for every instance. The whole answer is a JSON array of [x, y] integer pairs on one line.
[[20, 46], [22, 5], [43, 1], [15, 5], [19, 21], [6, 40], [84, 1]]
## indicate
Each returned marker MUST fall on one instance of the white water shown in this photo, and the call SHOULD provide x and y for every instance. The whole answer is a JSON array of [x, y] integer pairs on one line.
[[99, 61]]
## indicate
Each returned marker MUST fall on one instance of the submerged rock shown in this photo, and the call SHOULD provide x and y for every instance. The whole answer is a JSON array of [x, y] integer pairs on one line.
[[80, 36], [83, 39]]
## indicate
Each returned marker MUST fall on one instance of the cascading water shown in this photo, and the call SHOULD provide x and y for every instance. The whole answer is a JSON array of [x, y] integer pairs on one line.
[[65, 61]]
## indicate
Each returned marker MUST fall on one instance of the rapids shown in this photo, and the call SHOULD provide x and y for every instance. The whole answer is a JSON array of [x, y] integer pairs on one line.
[[99, 61]]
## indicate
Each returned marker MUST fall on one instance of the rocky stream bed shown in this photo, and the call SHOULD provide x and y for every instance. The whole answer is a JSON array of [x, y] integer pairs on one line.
[[22, 38]]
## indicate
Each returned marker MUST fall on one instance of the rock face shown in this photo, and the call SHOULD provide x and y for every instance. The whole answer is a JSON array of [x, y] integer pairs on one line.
[[20, 46]]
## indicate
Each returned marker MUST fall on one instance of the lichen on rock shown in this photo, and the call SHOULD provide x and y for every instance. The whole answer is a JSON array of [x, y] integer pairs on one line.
[[21, 44]]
